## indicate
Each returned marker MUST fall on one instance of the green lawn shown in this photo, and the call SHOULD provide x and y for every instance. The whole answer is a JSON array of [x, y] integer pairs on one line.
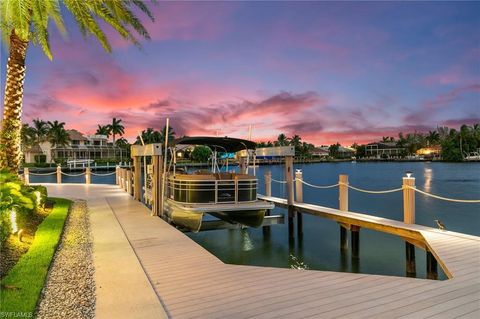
[[22, 285]]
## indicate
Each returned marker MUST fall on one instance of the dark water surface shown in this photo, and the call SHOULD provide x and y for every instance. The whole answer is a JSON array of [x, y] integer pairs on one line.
[[319, 249], [379, 253]]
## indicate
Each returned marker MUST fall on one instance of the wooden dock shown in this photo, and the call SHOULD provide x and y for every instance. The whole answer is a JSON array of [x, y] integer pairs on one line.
[[192, 283]]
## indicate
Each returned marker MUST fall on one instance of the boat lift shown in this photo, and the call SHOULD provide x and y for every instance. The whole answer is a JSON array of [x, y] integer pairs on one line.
[[152, 183]]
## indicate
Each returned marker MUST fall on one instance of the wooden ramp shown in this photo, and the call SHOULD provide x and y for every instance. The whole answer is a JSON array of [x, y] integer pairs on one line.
[[192, 283]]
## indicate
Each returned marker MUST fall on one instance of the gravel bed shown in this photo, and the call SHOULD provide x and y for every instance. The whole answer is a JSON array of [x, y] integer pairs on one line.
[[70, 288]]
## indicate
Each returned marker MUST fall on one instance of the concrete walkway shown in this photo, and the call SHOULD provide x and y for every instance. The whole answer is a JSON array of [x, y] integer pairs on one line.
[[122, 288]]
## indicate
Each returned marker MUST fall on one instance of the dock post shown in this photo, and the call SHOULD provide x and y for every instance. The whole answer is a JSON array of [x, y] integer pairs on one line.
[[88, 176], [117, 175], [129, 182], [290, 194], [123, 179], [343, 206], [409, 218], [59, 174], [432, 266], [26, 175], [157, 164], [137, 182], [299, 199]]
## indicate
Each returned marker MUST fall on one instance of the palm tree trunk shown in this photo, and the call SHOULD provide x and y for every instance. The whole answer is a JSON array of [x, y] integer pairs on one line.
[[114, 139], [10, 137]]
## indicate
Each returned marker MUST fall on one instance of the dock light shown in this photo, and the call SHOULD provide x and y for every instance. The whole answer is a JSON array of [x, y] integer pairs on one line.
[[38, 197], [409, 174], [13, 220]]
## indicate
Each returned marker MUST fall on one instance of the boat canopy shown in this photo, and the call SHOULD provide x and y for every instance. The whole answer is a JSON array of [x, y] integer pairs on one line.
[[219, 144]]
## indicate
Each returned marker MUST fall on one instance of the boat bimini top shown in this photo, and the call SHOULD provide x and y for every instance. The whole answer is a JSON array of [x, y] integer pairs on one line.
[[219, 144]]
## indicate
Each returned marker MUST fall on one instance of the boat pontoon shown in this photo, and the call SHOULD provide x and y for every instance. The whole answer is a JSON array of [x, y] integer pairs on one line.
[[230, 195]]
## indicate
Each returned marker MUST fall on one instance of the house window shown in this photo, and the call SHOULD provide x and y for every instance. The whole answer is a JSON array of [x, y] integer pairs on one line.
[[75, 142]]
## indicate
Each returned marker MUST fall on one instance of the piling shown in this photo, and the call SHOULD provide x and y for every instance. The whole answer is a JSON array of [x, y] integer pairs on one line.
[[290, 194], [299, 199], [432, 266], [343, 206], [117, 175], [409, 218], [129, 182], [355, 241], [26, 175], [137, 176], [59, 174], [268, 192], [88, 175], [410, 260]]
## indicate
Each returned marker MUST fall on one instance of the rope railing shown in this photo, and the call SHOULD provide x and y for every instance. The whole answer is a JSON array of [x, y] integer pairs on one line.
[[319, 186], [445, 198], [277, 181], [372, 192], [73, 175], [42, 174], [106, 174]]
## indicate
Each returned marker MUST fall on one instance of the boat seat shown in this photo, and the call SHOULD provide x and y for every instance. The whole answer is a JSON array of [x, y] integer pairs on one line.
[[185, 177], [243, 176]]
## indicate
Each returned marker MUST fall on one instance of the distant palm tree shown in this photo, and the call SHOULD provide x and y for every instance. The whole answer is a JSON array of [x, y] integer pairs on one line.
[[29, 136], [149, 136], [433, 137], [463, 135], [103, 130], [122, 143], [171, 134], [116, 128], [25, 21], [41, 129], [57, 135]]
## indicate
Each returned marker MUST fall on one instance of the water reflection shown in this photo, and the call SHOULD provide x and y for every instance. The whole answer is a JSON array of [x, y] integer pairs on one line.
[[427, 175], [296, 263], [247, 243]]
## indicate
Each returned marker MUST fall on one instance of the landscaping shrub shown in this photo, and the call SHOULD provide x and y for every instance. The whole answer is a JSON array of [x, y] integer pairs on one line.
[[40, 158], [16, 199]]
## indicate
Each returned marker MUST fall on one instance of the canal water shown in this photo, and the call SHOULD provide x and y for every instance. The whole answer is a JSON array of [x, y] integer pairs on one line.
[[319, 248]]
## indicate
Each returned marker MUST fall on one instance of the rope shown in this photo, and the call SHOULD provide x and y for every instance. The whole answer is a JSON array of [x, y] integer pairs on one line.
[[445, 198], [372, 192], [319, 186], [42, 174], [281, 182], [107, 174], [73, 175]]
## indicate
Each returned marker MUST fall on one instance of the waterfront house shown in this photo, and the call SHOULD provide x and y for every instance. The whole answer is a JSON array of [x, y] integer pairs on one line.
[[383, 149], [80, 146]]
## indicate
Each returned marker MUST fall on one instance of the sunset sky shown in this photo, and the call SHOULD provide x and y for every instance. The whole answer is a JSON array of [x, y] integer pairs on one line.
[[346, 72]]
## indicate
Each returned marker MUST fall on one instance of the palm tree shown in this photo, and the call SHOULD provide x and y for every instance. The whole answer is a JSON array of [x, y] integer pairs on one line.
[[282, 140], [41, 129], [103, 130], [171, 134], [116, 128], [57, 135], [122, 143], [23, 22]]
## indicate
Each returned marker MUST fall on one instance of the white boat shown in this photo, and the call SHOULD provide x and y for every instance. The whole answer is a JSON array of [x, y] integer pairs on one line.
[[473, 156], [228, 195], [80, 163]]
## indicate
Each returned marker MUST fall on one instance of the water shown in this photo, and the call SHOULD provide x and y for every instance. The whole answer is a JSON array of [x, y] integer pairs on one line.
[[379, 253], [319, 249]]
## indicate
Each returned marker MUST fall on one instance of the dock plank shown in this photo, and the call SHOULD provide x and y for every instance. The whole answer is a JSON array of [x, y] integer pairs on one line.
[[192, 283]]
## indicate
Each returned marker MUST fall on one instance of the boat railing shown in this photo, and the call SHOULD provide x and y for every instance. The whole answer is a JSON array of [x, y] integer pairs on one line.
[[221, 191]]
